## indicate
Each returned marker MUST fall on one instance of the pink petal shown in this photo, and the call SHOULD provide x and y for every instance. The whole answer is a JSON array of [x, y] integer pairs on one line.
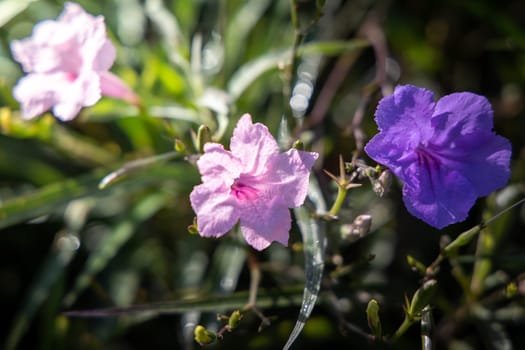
[[218, 167], [216, 211], [112, 86], [36, 94], [289, 175], [105, 55], [264, 221], [253, 145]]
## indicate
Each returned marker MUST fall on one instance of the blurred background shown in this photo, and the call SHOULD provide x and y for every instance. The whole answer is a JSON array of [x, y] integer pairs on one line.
[[66, 244]]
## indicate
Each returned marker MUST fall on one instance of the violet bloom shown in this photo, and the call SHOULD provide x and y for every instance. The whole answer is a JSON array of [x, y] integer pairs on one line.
[[253, 183], [67, 63], [445, 152]]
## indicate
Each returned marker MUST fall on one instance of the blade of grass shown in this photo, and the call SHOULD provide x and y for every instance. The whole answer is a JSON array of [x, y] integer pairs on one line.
[[207, 303], [252, 70]]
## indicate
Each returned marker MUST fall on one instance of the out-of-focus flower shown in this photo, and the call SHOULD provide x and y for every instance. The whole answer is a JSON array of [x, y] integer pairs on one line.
[[445, 152], [67, 63], [253, 183]]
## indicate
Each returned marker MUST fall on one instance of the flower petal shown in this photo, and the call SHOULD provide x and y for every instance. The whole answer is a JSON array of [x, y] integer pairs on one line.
[[218, 167], [253, 145], [437, 195], [112, 86], [483, 158], [37, 93], [288, 176], [216, 211], [264, 221], [460, 114], [409, 108], [384, 148]]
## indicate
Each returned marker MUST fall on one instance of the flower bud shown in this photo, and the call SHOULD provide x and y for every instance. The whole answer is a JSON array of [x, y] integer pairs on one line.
[[204, 336], [192, 229], [510, 290], [416, 265], [382, 184], [180, 146], [357, 229], [372, 315], [298, 145], [203, 137], [422, 298], [234, 319]]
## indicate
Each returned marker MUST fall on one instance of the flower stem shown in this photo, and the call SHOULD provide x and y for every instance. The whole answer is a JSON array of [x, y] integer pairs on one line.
[[407, 322], [341, 195]]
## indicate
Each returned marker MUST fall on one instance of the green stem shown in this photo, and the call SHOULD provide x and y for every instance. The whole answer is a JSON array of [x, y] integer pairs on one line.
[[339, 200], [407, 322]]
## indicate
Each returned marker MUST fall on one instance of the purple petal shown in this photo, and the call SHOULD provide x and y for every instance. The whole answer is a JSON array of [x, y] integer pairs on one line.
[[253, 145], [216, 211], [289, 175], [406, 114], [437, 195], [264, 221], [460, 114], [483, 158], [385, 149]]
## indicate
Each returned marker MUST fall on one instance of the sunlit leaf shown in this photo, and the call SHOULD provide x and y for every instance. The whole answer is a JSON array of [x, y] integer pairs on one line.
[[314, 242]]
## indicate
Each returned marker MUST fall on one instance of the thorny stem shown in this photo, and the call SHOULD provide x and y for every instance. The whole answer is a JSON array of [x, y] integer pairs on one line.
[[343, 185], [339, 200]]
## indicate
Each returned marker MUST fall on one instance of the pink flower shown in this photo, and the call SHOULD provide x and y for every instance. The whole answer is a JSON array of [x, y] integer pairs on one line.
[[253, 183], [68, 63]]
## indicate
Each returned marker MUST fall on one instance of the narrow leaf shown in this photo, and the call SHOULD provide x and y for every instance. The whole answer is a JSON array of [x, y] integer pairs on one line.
[[252, 70], [313, 233], [281, 297]]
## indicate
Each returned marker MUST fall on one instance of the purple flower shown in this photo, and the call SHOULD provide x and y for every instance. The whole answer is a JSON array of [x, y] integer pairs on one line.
[[253, 183], [68, 63], [445, 152]]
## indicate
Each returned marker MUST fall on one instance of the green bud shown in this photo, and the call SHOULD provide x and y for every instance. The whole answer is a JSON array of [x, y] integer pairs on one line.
[[422, 298], [203, 137], [298, 145], [463, 239], [416, 265], [204, 336], [372, 315], [511, 290], [180, 146], [234, 319], [192, 229]]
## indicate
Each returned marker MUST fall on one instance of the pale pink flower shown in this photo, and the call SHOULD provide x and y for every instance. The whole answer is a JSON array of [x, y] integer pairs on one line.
[[67, 63], [253, 184]]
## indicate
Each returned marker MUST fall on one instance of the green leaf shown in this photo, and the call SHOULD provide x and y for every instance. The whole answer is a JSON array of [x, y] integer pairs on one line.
[[46, 199], [252, 70], [313, 234], [11, 8], [266, 298]]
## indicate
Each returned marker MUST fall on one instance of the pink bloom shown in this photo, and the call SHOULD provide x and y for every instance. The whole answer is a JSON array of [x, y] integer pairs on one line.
[[67, 63], [253, 183]]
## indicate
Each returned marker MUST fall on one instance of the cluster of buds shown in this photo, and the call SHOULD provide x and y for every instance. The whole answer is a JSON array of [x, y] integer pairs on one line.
[[204, 336]]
